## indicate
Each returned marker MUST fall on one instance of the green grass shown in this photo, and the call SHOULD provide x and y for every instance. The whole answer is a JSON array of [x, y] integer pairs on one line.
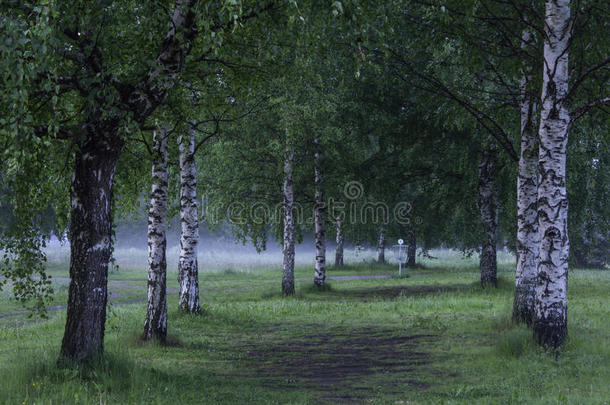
[[435, 337]]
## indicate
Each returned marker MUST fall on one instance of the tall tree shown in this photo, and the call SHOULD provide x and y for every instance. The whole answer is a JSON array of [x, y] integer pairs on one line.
[[155, 325], [551, 323], [105, 74], [339, 240], [319, 210], [527, 194], [288, 206], [188, 272], [100, 147]]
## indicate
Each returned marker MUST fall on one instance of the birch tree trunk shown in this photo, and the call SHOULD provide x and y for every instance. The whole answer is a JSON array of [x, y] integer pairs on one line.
[[320, 266], [411, 246], [288, 248], [527, 196], [155, 326], [551, 322], [188, 273], [91, 187], [487, 202], [339, 240], [381, 246], [90, 243]]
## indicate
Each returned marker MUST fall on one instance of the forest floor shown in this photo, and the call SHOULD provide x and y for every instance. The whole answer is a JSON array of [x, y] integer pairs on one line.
[[434, 337]]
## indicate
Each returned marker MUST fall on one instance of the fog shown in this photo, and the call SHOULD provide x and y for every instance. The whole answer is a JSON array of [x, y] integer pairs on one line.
[[218, 251], [214, 255]]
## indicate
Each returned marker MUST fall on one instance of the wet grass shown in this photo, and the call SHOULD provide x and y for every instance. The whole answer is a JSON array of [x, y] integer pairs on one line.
[[435, 337]]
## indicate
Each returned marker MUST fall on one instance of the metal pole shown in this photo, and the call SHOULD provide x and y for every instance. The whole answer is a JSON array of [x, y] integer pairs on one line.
[[399, 268]]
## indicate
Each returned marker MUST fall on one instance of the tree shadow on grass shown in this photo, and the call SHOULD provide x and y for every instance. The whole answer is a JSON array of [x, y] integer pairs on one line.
[[389, 292], [381, 292]]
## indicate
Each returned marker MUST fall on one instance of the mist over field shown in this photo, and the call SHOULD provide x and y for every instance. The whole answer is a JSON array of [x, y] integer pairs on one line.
[[214, 254], [218, 251]]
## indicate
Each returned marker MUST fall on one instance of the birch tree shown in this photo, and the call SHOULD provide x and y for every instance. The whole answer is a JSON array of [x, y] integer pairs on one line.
[[557, 115], [107, 76], [550, 322], [288, 207], [91, 189], [188, 271], [256, 182], [319, 210], [527, 193], [339, 240], [155, 325]]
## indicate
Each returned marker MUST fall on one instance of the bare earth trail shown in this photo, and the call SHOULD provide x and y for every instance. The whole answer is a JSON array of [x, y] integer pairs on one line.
[[336, 361], [115, 295]]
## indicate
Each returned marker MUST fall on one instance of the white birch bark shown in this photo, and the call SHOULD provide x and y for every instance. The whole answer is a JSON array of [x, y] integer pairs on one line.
[[288, 248], [527, 196], [381, 246], [99, 148], [320, 228], [487, 201], [340, 241], [188, 273], [155, 326], [550, 323]]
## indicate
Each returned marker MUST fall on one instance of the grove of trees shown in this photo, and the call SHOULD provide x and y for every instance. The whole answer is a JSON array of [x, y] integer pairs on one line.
[[482, 125]]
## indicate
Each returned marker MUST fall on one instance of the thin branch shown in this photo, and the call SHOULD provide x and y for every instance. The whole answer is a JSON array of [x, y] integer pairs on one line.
[[582, 110], [583, 76]]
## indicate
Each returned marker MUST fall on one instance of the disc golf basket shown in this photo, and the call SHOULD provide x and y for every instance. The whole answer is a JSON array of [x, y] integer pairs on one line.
[[400, 253]]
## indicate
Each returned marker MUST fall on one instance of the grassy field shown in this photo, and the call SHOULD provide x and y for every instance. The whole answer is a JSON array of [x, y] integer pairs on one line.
[[435, 337]]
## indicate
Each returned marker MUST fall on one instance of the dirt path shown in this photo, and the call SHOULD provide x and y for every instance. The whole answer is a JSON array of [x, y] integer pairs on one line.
[[336, 361]]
